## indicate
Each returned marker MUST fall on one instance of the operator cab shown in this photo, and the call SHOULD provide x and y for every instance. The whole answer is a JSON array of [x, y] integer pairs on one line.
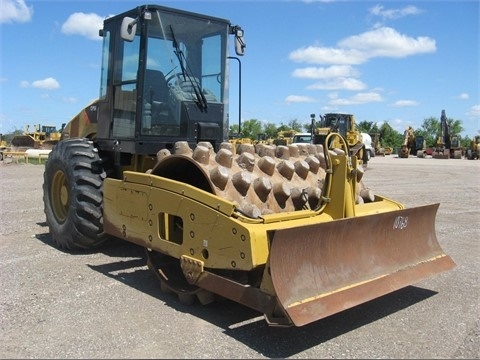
[[340, 123], [164, 79]]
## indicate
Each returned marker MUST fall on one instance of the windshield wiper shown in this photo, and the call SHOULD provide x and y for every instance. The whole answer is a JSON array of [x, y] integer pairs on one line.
[[179, 54], [201, 99]]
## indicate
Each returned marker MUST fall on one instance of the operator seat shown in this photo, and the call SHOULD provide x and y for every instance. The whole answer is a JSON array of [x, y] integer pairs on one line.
[[156, 94], [156, 88]]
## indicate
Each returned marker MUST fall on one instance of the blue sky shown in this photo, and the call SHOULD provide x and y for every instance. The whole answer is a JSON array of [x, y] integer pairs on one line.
[[394, 61]]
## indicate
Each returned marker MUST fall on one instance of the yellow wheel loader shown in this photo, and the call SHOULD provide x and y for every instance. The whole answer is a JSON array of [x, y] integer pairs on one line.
[[473, 150], [289, 231], [360, 144]]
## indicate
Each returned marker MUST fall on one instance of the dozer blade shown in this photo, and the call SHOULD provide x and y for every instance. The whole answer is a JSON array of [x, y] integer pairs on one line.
[[24, 141], [320, 270]]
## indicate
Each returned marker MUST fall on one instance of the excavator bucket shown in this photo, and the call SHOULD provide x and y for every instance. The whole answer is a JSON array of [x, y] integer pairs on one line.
[[319, 270]]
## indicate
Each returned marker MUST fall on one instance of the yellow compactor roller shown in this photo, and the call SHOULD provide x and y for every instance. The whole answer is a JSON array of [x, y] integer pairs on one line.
[[290, 231]]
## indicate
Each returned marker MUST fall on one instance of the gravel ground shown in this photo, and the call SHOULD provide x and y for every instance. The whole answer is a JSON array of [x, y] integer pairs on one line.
[[107, 304]]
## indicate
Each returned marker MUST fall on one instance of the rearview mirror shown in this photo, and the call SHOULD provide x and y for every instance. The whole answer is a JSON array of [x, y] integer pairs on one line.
[[128, 29], [239, 42]]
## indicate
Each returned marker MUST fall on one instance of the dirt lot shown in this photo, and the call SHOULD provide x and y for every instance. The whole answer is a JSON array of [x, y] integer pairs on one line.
[[107, 304]]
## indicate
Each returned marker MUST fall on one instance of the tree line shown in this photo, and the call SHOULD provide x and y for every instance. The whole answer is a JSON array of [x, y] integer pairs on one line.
[[388, 136], [430, 130]]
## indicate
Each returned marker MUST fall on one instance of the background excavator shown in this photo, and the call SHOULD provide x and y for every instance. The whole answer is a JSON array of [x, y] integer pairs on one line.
[[442, 145], [447, 146], [413, 144], [409, 143], [294, 234]]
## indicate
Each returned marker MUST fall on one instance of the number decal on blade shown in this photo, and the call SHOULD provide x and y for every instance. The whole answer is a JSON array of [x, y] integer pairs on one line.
[[400, 222]]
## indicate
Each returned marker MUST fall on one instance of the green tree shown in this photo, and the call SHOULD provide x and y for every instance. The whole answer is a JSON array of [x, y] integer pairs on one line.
[[295, 125], [307, 127], [283, 127], [455, 126], [251, 128], [429, 129], [233, 130], [270, 130], [465, 142], [367, 127], [389, 136]]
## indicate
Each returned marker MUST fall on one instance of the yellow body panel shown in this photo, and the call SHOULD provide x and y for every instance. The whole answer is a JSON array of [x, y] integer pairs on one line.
[[177, 219]]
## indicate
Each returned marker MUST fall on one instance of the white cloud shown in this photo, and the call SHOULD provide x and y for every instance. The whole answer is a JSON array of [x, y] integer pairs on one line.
[[360, 98], [381, 41], [48, 84], [387, 42], [324, 55], [404, 103], [463, 96], [86, 25], [325, 72], [299, 99], [378, 10], [474, 111], [15, 11], [339, 83], [357, 49]]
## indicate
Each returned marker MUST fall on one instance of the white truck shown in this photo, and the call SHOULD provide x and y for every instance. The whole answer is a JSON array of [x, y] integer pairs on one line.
[[367, 141], [302, 138]]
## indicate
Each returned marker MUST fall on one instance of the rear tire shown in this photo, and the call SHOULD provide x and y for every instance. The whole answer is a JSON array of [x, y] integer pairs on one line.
[[469, 154], [73, 195], [364, 155], [369, 154]]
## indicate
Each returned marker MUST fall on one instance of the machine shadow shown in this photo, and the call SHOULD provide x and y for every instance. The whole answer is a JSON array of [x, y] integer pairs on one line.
[[242, 323], [114, 247], [249, 327], [285, 342]]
